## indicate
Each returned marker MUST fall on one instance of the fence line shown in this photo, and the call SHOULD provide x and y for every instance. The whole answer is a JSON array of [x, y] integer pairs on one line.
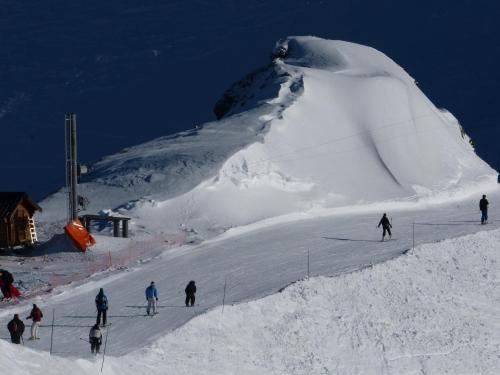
[[52, 330], [134, 251]]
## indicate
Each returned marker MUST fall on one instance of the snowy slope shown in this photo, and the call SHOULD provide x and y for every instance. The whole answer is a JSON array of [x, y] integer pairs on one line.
[[257, 260], [433, 311], [325, 124]]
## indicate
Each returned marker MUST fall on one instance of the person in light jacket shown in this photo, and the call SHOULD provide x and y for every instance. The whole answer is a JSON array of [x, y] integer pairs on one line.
[[151, 297], [95, 339]]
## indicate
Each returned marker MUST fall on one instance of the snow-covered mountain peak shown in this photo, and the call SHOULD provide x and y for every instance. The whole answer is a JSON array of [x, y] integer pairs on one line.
[[336, 56], [312, 52], [323, 124], [357, 117]]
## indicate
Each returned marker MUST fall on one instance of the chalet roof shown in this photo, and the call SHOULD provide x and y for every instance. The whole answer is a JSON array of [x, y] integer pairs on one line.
[[10, 200]]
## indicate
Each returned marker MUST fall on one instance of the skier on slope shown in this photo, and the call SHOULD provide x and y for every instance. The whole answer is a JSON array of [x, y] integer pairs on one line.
[[483, 207], [386, 226], [190, 293], [95, 339], [16, 329], [36, 315], [101, 303], [151, 297]]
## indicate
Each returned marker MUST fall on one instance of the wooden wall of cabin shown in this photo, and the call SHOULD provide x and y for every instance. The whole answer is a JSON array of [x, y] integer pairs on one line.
[[16, 231], [21, 226]]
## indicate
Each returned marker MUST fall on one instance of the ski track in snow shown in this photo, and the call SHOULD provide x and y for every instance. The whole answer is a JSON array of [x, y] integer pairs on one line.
[[256, 264], [433, 311]]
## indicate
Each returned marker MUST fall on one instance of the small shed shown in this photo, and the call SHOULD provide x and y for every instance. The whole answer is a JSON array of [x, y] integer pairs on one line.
[[116, 220], [17, 227]]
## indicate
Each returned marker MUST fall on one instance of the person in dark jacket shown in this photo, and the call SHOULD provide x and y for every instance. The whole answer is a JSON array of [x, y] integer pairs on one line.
[[483, 207], [16, 329], [6, 280], [95, 339], [386, 226], [101, 303], [36, 315], [190, 293]]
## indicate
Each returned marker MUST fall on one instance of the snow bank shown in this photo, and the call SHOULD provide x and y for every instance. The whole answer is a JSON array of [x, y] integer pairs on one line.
[[433, 311]]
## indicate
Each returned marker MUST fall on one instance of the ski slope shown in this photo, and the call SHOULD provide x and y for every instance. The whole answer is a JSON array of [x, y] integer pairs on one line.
[[433, 310], [292, 180], [255, 263]]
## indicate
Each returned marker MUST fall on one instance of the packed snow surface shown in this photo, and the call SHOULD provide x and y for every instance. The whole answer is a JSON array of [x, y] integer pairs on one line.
[[325, 124], [256, 261], [434, 310]]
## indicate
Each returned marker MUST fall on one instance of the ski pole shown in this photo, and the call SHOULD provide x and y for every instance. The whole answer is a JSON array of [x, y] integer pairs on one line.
[[413, 236], [307, 264], [224, 296], [84, 340], [105, 345]]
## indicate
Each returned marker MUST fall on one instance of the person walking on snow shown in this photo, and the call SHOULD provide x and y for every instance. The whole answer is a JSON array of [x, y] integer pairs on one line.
[[101, 303], [95, 339], [36, 315], [16, 329], [386, 226], [190, 292], [151, 297], [483, 207]]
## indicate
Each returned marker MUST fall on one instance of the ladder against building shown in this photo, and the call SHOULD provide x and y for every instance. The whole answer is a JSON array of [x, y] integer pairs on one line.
[[17, 227], [33, 237]]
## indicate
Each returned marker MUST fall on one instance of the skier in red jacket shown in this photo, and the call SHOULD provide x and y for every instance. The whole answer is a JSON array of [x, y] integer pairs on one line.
[[36, 315]]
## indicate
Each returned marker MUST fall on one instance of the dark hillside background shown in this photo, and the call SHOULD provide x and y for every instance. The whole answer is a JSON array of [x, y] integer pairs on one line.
[[136, 70]]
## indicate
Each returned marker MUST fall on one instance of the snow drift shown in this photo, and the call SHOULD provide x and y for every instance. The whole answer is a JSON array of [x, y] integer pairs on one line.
[[433, 311], [325, 124]]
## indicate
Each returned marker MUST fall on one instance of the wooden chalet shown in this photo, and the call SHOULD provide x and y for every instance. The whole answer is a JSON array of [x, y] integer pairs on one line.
[[17, 227]]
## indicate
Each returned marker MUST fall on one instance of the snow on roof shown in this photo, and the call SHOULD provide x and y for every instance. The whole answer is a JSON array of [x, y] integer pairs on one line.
[[9, 201]]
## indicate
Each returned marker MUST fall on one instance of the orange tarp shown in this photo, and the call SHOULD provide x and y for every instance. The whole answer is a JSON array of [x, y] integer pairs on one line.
[[79, 235]]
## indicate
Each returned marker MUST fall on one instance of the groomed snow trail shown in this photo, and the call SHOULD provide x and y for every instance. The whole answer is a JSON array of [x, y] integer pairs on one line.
[[434, 310], [256, 264]]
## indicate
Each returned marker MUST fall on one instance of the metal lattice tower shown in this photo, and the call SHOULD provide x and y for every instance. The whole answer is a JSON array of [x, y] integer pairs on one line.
[[71, 166]]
